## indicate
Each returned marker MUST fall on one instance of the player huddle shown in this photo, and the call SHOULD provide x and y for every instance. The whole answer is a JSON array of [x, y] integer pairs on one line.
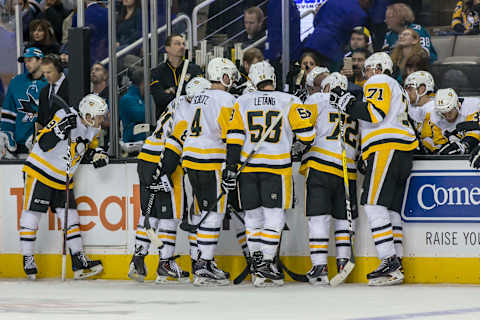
[[237, 156]]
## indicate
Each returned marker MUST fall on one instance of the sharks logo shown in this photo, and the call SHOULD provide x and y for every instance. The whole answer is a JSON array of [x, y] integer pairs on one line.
[[29, 106]]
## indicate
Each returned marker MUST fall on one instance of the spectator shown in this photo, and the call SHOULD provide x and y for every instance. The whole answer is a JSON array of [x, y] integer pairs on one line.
[[52, 69], [8, 67], [297, 76], [243, 85], [466, 17], [129, 26], [229, 22], [253, 21], [99, 79], [132, 112], [416, 62], [96, 18], [166, 77], [360, 38], [378, 28], [333, 25], [408, 44], [399, 17], [43, 37], [251, 56], [55, 13], [355, 74], [20, 107], [30, 11]]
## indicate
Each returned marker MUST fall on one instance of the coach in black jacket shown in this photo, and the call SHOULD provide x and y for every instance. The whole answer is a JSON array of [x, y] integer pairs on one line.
[[57, 84], [166, 77]]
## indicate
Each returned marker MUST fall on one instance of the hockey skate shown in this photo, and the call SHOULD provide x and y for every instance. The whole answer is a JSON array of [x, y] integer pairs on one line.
[[169, 272], [267, 274], [138, 270], [83, 267], [318, 275], [207, 273], [344, 268], [388, 273], [30, 267]]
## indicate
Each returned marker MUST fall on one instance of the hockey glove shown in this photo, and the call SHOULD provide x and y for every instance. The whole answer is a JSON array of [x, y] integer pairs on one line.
[[7, 145], [160, 182], [63, 128], [229, 178], [475, 158], [453, 146], [298, 150], [100, 158]]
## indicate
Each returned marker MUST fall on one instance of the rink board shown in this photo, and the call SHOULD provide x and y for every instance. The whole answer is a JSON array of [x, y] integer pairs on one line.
[[441, 236]]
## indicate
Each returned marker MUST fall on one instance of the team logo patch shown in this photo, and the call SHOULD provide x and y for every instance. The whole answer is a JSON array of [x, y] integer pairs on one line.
[[304, 113], [274, 196], [205, 203]]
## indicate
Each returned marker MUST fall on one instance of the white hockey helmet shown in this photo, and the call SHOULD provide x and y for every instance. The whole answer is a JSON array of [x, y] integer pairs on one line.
[[196, 85], [261, 71], [445, 101], [218, 67], [419, 78], [92, 105], [335, 79], [379, 59], [316, 71]]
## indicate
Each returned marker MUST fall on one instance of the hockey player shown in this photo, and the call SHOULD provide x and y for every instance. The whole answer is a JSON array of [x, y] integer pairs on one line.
[[168, 206], [20, 108], [323, 169], [449, 111], [203, 155], [387, 143], [266, 184], [45, 180], [315, 78], [420, 88]]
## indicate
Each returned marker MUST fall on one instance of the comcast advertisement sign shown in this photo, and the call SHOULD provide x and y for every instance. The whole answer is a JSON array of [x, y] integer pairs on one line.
[[442, 196]]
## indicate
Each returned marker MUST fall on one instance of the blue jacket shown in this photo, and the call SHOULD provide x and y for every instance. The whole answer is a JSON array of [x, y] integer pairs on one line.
[[425, 41], [273, 46], [20, 107], [131, 111], [96, 18], [333, 25]]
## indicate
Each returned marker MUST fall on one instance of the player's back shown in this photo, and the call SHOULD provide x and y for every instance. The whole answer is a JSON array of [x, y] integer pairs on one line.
[[204, 147], [387, 106], [325, 154], [258, 111]]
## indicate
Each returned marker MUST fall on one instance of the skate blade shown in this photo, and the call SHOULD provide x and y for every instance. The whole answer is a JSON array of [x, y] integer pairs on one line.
[[395, 277], [136, 276], [342, 275], [264, 282], [171, 280], [201, 281], [31, 277], [87, 273]]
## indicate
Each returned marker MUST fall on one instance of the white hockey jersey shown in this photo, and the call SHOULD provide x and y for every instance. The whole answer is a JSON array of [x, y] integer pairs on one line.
[[253, 114], [203, 128], [325, 154], [469, 111], [49, 167], [388, 127]]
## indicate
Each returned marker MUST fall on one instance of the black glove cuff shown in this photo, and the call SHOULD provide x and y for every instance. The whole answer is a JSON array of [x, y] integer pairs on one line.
[[470, 143]]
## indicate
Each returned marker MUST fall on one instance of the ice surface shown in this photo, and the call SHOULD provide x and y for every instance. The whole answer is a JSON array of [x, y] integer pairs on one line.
[[104, 299]]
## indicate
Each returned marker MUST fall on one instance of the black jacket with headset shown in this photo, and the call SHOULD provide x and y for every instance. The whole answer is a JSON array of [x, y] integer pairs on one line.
[[45, 110]]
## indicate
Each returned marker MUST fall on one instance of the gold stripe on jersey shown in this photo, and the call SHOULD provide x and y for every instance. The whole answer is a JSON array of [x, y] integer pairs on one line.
[[202, 166], [265, 168], [378, 96], [392, 138], [287, 191], [154, 143], [325, 167], [204, 151], [43, 179], [385, 131], [268, 156], [178, 192], [331, 154], [48, 165], [28, 191], [236, 127]]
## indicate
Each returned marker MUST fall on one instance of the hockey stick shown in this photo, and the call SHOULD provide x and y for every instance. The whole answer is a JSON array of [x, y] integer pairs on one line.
[[342, 275], [193, 227], [151, 198], [68, 156]]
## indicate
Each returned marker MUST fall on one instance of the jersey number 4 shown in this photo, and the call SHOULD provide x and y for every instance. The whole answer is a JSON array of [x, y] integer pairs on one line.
[[195, 128], [257, 129]]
